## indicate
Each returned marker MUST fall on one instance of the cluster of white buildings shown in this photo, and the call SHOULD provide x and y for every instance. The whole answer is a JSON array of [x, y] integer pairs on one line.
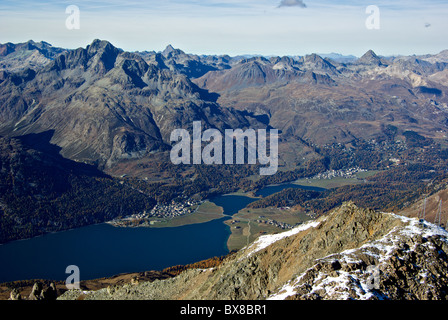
[[345, 173], [278, 224], [168, 211], [174, 209]]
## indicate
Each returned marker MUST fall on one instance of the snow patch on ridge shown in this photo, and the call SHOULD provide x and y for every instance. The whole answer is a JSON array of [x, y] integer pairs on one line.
[[339, 283], [266, 240], [422, 227]]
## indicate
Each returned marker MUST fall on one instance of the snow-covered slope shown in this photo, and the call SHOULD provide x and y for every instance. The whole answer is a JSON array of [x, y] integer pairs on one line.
[[366, 283]]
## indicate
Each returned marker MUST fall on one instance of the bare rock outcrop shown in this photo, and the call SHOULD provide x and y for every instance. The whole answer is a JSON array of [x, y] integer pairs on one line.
[[39, 292]]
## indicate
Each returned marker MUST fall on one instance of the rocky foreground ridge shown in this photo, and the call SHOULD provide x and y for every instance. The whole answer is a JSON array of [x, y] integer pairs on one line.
[[351, 253]]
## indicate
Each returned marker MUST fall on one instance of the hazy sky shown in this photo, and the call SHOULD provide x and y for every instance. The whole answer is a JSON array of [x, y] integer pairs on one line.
[[268, 27]]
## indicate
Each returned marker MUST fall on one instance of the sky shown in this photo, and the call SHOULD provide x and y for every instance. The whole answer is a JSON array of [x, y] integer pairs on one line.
[[265, 27]]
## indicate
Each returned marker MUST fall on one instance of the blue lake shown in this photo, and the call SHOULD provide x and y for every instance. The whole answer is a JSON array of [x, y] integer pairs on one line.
[[232, 203], [266, 191], [103, 250]]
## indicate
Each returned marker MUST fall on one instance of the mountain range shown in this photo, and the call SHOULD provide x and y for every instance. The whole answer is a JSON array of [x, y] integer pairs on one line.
[[105, 105], [141, 97], [85, 138]]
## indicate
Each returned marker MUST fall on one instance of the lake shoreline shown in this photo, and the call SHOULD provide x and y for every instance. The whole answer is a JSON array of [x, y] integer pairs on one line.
[[102, 250]]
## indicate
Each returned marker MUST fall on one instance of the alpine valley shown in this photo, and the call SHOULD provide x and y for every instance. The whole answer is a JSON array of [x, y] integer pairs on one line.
[[85, 139]]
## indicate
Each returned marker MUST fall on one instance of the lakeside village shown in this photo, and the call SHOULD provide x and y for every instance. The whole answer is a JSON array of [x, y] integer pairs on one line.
[[344, 173], [275, 223], [160, 213], [184, 206], [283, 225]]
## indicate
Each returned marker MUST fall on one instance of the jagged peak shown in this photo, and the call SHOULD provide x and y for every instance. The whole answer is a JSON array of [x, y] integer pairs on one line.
[[370, 53], [101, 45], [258, 60], [105, 53], [370, 58], [171, 50], [313, 57], [317, 62], [7, 48], [29, 45], [45, 43]]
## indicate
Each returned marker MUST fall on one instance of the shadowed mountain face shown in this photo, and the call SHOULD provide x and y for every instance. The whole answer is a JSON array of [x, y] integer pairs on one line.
[[40, 191], [106, 105]]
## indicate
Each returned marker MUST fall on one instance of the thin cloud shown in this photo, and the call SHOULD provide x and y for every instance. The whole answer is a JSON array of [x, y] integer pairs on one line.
[[292, 3]]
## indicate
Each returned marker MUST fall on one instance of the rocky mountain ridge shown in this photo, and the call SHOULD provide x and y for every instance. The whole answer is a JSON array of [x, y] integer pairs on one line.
[[324, 102], [351, 253], [105, 105], [15, 57], [141, 97]]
